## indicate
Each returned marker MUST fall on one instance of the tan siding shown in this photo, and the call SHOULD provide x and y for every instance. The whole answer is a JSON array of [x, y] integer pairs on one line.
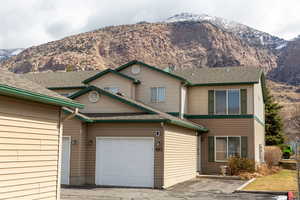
[[76, 129], [105, 105], [259, 134], [123, 130], [198, 98], [112, 80], [150, 78], [180, 159], [224, 127], [29, 140], [259, 107]]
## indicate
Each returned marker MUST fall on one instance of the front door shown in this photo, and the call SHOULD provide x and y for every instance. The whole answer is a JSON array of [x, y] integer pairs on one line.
[[65, 160]]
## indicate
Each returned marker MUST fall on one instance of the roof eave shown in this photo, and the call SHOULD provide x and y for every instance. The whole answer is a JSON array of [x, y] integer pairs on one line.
[[188, 125], [24, 94]]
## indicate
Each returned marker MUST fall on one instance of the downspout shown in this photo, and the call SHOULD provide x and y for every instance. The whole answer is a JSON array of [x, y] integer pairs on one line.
[[60, 136]]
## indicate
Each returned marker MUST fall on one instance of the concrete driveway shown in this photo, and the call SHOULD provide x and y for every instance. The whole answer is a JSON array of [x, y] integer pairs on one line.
[[208, 189]]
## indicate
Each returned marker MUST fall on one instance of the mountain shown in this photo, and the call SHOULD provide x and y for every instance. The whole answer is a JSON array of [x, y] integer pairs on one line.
[[288, 69], [252, 36], [7, 53], [181, 44]]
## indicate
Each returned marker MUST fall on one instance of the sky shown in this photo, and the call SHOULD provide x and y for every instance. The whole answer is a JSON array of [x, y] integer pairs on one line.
[[25, 23]]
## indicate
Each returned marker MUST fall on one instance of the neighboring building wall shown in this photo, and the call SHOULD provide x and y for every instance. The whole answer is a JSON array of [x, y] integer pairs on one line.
[[151, 78], [29, 135], [224, 127], [112, 80], [259, 106], [124, 130], [259, 141], [198, 98], [180, 159], [77, 130], [104, 105]]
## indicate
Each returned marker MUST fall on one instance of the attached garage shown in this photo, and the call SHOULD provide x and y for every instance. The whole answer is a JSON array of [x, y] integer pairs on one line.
[[30, 136], [125, 161]]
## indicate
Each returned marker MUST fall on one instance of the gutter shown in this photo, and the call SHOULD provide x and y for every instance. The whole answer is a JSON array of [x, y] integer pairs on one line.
[[70, 116]]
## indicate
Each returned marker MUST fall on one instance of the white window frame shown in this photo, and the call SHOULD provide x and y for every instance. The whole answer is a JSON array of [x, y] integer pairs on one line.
[[226, 90], [157, 100], [215, 140]]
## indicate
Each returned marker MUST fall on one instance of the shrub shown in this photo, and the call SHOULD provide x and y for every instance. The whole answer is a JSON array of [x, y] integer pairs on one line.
[[273, 155], [238, 165]]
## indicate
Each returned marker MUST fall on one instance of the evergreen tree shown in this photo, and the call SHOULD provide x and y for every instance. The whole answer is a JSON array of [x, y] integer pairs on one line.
[[273, 121]]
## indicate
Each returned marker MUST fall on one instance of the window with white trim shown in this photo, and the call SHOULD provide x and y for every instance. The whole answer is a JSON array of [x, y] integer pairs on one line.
[[158, 94], [227, 102], [226, 147], [114, 90]]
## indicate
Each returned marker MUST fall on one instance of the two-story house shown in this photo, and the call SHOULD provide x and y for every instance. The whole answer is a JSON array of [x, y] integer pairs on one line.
[[146, 127]]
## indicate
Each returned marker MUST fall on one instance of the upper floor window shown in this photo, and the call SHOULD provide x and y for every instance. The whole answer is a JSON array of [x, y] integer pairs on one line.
[[158, 94], [227, 102], [114, 90]]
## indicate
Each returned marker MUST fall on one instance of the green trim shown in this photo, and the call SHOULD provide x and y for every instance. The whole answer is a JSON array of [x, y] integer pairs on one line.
[[153, 68], [175, 114], [188, 125], [130, 120], [38, 97], [263, 86], [66, 88], [259, 121], [98, 75], [90, 88], [188, 116], [221, 84]]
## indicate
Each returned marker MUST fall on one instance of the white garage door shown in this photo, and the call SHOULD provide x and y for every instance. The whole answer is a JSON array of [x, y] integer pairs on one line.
[[125, 162], [65, 160]]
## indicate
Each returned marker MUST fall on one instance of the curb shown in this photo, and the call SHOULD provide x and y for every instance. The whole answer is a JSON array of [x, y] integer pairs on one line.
[[220, 177], [245, 184]]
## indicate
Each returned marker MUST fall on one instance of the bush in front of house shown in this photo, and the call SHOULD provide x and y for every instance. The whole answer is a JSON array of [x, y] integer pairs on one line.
[[273, 155], [237, 165]]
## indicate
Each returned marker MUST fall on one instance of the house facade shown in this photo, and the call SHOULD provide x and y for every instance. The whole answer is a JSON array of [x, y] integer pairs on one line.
[[147, 127], [30, 137]]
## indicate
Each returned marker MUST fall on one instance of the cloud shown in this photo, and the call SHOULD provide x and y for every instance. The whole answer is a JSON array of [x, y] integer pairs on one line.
[[33, 22]]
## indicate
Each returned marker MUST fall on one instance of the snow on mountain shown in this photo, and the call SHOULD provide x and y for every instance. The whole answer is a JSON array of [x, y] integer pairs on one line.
[[7, 53], [252, 36]]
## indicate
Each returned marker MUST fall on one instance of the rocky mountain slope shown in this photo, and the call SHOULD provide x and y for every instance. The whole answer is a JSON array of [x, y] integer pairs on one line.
[[181, 44], [7, 53], [252, 36]]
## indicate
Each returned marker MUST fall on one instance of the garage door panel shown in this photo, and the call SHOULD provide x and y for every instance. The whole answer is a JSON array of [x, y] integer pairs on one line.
[[125, 162]]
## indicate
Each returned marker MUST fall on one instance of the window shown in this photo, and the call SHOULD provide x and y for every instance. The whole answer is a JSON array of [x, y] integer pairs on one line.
[[227, 102], [226, 147], [158, 94], [114, 90]]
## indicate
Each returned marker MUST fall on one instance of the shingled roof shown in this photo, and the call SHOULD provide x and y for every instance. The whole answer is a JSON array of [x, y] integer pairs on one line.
[[220, 75], [15, 85], [54, 80]]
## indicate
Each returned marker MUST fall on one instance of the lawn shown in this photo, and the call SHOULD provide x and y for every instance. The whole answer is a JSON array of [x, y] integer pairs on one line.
[[284, 180]]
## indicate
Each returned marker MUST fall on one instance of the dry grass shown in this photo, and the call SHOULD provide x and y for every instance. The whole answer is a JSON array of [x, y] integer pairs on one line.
[[284, 180]]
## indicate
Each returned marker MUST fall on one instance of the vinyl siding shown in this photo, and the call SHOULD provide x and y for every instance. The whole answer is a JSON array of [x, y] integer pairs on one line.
[[198, 98], [259, 134], [224, 127], [77, 130], [112, 80], [150, 78], [29, 144], [105, 105], [180, 159], [259, 107], [124, 130], [66, 91]]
